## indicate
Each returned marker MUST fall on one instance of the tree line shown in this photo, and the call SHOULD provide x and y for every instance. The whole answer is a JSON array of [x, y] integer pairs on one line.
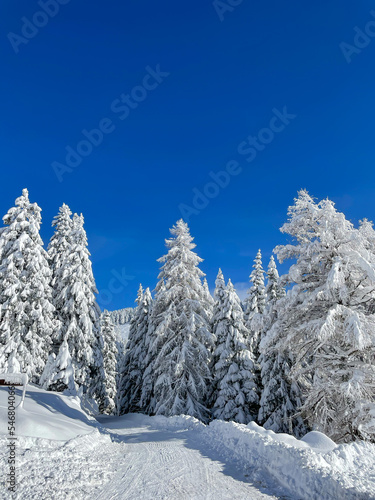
[[297, 354]]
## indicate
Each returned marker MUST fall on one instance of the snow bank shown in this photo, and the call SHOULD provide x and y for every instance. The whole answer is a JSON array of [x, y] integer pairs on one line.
[[47, 415], [59, 470], [178, 423], [311, 468]]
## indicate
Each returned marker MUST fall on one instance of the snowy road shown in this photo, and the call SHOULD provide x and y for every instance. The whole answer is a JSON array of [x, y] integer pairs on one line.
[[130, 458], [159, 464]]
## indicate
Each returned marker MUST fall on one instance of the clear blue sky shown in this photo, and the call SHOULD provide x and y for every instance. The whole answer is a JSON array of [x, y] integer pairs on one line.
[[225, 78]]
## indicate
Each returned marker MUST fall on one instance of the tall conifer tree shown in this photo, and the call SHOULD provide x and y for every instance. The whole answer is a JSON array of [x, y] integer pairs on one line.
[[26, 312], [183, 337]]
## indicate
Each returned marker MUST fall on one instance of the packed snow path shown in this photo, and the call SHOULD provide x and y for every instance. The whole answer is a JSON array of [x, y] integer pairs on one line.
[[133, 461], [160, 464]]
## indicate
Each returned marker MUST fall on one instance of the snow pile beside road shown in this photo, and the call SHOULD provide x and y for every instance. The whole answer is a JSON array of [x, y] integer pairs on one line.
[[311, 468], [178, 423], [60, 452], [47, 415], [46, 469]]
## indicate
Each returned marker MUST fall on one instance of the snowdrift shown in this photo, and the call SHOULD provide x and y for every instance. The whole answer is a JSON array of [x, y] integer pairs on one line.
[[311, 468], [47, 415]]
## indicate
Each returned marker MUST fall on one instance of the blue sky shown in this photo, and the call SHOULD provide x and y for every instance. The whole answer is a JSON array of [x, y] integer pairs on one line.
[[221, 72]]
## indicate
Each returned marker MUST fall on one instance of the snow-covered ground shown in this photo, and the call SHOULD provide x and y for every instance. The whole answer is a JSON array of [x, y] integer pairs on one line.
[[62, 453]]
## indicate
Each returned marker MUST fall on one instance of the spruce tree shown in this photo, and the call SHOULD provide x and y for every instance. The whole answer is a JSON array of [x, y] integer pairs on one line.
[[26, 312], [126, 386], [147, 401], [58, 374], [280, 397], [183, 337], [209, 301], [60, 243], [108, 391], [59, 248], [256, 304], [218, 331], [120, 346], [274, 289], [254, 315], [234, 390], [79, 312], [134, 363]]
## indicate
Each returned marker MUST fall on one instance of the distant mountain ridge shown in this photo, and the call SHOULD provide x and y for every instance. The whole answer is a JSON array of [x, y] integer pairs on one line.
[[122, 316], [121, 319]]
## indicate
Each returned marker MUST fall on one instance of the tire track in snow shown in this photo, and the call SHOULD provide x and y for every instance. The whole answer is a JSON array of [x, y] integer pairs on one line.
[[171, 468]]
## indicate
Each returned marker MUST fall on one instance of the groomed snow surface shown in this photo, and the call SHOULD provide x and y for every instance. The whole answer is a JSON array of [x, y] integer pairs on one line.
[[63, 453]]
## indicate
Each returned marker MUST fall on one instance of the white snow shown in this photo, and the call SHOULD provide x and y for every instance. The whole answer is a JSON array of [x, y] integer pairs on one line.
[[47, 415], [62, 453], [318, 441], [312, 468]]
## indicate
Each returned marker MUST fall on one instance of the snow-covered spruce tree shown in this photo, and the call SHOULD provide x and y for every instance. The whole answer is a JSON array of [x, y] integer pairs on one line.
[[147, 401], [274, 289], [182, 332], [60, 243], [256, 303], [58, 374], [108, 392], [218, 331], [79, 312], [235, 393], [254, 315], [26, 311], [220, 294], [58, 249], [328, 321], [120, 346], [209, 302], [126, 384], [280, 397], [134, 363]]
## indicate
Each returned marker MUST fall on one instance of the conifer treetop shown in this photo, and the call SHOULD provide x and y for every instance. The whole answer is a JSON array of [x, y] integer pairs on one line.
[[180, 256]]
